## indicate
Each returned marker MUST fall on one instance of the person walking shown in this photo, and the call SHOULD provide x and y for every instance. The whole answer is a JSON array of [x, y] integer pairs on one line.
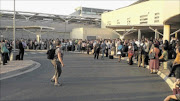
[[57, 63]]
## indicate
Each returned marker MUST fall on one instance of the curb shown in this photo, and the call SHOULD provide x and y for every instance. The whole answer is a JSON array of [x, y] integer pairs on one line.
[[27, 50], [161, 74], [17, 72]]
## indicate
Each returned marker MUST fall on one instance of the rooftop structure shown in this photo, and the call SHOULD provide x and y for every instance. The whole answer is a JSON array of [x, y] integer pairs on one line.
[[89, 12]]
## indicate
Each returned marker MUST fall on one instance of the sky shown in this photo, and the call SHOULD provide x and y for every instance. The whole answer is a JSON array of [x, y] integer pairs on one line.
[[61, 7]]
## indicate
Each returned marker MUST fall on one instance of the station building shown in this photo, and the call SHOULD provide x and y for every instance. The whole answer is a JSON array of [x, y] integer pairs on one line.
[[145, 18], [34, 25]]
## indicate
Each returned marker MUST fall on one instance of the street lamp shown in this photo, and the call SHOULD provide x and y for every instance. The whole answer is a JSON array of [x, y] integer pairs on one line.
[[13, 54], [66, 22], [14, 27]]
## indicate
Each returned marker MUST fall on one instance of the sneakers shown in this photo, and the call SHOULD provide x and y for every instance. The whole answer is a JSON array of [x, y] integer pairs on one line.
[[57, 84], [52, 80]]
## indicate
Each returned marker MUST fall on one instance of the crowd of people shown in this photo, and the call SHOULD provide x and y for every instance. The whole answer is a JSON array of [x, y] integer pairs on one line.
[[6, 47], [152, 52]]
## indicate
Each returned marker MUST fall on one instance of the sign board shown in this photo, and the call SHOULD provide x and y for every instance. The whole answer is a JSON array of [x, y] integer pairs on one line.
[[91, 37]]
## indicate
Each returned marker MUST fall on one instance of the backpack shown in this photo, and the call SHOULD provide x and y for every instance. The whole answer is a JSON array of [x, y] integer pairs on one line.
[[135, 47], [120, 47], [51, 54]]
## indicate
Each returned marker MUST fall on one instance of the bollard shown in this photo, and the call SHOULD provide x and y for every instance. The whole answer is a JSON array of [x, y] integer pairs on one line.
[[165, 64], [13, 55]]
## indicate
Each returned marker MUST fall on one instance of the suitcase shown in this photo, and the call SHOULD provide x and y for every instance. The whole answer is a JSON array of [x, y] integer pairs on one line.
[[111, 57], [131, 62], [17, 57], [123, 55]]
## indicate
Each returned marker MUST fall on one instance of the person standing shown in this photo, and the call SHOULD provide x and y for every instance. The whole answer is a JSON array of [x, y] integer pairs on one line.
[[4, 52], [57, 63], [96, 50], [119, 52], [103, 47], [147, 51], [21, 49], [141, 57], [154, 63], [130, 53]]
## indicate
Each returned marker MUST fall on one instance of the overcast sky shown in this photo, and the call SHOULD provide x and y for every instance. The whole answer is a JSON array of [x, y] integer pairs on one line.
[[62, 7]]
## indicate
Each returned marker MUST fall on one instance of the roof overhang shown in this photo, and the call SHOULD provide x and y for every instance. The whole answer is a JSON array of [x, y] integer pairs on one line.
[[175, 21], [27, 27], [115, 27]]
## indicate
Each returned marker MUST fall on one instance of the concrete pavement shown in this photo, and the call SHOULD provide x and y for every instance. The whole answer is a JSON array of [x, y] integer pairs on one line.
[[85, 79], [163, 73], [14, 68]]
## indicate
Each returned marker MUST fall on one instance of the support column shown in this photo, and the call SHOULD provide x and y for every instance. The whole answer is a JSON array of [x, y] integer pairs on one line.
[[166, 34], [156, 34], [176, 35], [139, 34], [38, 37]]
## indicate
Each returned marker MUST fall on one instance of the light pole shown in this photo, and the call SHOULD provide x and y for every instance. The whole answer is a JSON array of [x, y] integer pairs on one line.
[[13, 54], [14, 27], [66, 22]]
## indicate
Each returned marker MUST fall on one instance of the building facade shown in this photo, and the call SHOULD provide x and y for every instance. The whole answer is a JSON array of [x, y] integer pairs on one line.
[[160, 16]]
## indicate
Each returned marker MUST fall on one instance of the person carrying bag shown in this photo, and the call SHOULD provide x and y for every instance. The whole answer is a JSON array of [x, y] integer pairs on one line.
[[4, 52]]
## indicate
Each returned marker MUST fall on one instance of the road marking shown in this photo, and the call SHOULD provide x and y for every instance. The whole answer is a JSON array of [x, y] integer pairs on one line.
[[29, 70], [41, 52], [33, 53], [25, 54]]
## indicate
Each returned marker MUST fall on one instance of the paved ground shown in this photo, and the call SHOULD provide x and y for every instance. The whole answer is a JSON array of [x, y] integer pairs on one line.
[[85, 79], [15, 65]]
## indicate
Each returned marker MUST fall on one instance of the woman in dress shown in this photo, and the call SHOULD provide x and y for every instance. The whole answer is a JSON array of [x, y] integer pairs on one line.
[[154, 63]]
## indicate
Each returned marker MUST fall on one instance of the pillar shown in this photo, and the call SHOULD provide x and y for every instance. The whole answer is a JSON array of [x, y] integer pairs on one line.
[[38, 37], [166, 34], [176, 35], [139, 34], [121, 37], [156, 34]]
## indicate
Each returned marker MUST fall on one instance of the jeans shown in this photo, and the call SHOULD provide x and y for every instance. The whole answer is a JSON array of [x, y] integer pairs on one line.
[[103, 51]]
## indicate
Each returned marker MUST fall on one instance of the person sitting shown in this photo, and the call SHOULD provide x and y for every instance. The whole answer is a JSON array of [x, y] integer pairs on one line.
[[164, 56], [176, 63], [176, 95]]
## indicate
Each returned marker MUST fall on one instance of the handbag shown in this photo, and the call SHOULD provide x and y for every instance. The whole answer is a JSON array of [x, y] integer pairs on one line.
[[119, 53], [152, 55], [4, 49], [130, 53]]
